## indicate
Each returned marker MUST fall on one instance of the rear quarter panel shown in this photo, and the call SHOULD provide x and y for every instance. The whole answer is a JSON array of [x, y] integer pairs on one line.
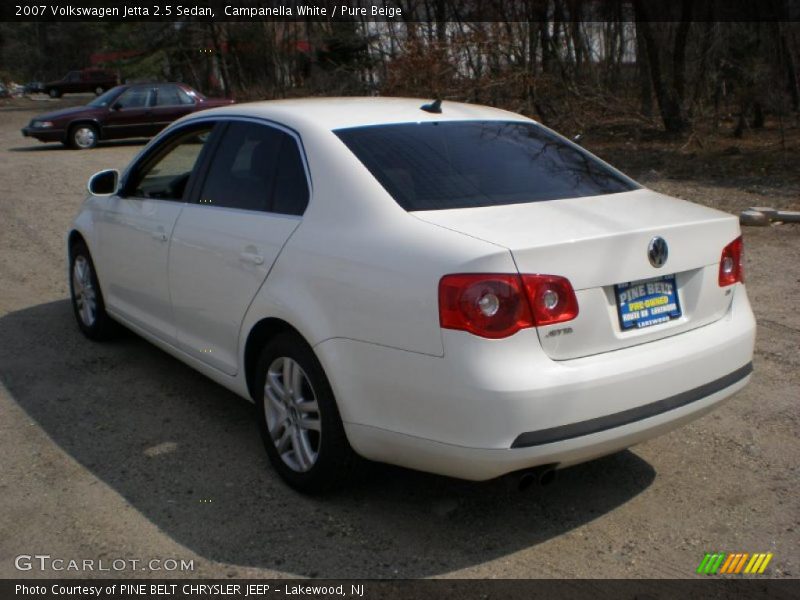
[[359, 266]]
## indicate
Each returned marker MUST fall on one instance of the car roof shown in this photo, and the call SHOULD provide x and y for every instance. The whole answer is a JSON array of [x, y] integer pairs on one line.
[[345, 112]]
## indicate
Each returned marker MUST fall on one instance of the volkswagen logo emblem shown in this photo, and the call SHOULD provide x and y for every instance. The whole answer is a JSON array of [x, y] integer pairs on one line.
[[657, 252]]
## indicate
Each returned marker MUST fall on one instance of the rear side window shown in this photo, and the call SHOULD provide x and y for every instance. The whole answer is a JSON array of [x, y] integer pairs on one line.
[[290, 195], [462, 164], [171, 95], [256, 167]]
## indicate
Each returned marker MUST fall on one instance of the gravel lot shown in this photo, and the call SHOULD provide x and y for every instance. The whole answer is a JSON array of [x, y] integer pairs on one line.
[[119, 451]]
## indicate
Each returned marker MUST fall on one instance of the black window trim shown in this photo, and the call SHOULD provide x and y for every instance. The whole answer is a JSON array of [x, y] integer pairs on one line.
[[194, 197], [155, 152]]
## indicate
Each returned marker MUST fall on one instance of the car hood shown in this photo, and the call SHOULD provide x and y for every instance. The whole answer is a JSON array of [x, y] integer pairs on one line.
[[65, 113]]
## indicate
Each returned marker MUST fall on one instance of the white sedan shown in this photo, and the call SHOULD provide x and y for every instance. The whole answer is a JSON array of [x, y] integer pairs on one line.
[[442, 286]]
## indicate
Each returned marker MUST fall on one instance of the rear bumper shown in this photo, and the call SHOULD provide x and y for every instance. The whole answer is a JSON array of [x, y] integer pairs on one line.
[[631, 415], [44, 135], [489, 407], [479, 464]]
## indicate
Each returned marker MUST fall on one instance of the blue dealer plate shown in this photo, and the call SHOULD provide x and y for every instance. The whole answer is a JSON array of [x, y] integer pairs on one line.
[[647, 302]]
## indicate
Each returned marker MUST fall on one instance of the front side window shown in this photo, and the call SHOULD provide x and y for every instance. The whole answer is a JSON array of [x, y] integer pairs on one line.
[[166, 174], [462, 164], [256, 167]]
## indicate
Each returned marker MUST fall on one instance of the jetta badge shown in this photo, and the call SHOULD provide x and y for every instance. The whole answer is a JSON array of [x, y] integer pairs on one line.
[[657, 252]]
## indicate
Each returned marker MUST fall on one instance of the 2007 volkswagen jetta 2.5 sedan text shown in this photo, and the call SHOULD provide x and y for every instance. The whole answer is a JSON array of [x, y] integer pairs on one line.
[[442, 286]]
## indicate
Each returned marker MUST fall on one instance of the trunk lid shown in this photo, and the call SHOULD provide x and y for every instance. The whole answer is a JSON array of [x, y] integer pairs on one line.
[[600, 241]]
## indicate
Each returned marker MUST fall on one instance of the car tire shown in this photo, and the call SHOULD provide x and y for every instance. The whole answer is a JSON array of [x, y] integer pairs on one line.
[[87, 297], [53, 93], [98, 90], [83, 136], [301, 428]]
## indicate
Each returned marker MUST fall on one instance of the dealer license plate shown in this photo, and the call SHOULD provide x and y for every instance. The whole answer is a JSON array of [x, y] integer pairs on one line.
[[648, 302]]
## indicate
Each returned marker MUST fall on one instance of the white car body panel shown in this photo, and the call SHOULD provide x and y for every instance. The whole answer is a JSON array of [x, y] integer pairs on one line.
[[357, 277], [597, 242], [134, 234], [594, 240], [480, 464], [480, 397], [238, 248]]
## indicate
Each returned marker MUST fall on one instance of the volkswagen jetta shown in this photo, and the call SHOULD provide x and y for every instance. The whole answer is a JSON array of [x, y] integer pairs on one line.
[[442, 286]]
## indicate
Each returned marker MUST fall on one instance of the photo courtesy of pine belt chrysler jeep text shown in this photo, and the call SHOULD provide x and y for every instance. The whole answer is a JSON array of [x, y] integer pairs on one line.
[[442, 286]]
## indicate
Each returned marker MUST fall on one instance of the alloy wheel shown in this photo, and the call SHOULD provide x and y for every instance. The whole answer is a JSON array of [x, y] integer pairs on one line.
[[292, 414], [83, 291]]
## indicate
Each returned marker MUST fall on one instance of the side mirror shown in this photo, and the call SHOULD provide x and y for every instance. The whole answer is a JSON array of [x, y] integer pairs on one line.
[[103, 183], [116, 106]]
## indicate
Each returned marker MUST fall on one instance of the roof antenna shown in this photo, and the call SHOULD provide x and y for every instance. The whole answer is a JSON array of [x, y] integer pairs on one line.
[[433, 107]]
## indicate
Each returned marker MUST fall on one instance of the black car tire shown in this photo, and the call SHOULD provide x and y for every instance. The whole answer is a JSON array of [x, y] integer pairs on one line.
[[83, 136], [101, 326], [99, 90], [335, 460], [54, 93]]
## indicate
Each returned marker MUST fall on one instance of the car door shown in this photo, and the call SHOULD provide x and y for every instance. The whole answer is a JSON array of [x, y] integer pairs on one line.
[[130, 115], [171, 103], [226, 240], [135, 226]]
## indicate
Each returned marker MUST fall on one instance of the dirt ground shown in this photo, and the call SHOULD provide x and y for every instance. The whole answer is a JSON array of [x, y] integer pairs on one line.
[[119, 451]]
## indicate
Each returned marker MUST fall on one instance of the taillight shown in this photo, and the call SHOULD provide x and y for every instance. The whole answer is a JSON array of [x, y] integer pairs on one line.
[[552, 299], [492, 306], [499, 305], [731, 263]]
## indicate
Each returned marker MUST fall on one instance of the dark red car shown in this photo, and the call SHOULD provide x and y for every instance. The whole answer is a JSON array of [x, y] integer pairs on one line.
[[87, 80], [126, 111]]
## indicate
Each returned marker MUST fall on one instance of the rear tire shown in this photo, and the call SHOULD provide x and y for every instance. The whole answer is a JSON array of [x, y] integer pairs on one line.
[[298, 417], [98, 90], [87, 297], [53, 93]]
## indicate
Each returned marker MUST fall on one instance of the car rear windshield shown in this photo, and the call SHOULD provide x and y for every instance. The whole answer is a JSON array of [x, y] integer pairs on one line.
[[463, 164]]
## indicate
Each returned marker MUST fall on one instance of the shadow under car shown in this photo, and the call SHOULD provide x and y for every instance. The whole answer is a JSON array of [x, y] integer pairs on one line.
[[186, 454]]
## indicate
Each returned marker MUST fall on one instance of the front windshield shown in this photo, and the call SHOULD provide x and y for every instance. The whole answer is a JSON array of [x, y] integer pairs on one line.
[[105, 100]]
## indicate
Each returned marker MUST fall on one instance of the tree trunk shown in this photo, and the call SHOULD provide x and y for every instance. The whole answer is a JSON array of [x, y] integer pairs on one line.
[[223, 65], [679, 52], [792, 84], [669, 103], [645, 82]]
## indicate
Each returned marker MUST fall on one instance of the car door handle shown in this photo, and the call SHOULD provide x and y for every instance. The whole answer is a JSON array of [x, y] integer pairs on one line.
[[251, 257], [159, 235]]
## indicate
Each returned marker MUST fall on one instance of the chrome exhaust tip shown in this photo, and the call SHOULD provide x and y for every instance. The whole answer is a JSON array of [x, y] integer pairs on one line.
[[544, 475]]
